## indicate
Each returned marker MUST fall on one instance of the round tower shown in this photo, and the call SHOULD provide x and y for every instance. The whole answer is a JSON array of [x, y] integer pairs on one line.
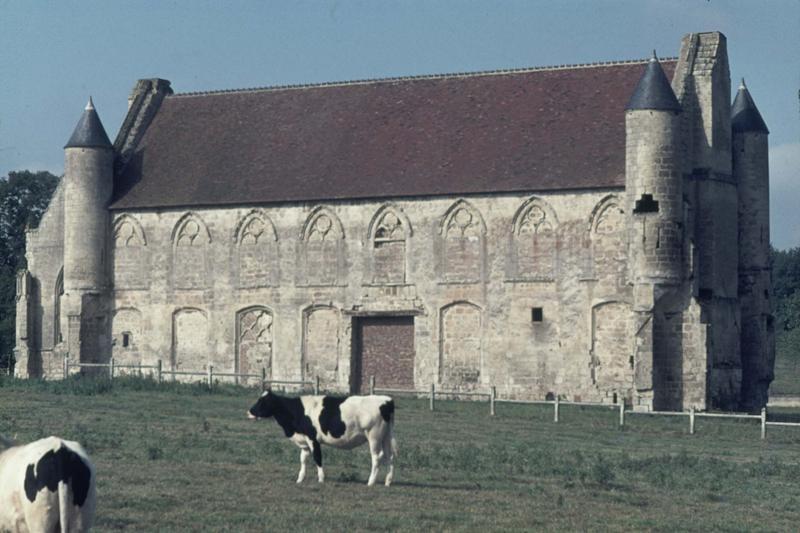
[[88, 175], [653, 180], [751, 173]]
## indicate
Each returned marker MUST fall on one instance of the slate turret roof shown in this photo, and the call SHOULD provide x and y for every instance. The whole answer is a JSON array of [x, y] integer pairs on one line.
[[89, 132], [744, 113], [542, 129], [653, 90]]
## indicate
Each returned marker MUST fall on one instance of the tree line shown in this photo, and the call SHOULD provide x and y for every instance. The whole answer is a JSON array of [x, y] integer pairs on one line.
[[24, 196]]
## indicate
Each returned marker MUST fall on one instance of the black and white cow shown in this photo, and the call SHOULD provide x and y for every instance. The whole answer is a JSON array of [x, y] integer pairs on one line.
[[47, 485], [336, 421]]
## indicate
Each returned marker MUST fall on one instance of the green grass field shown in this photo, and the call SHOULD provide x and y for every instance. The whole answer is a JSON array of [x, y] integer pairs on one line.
[[177, 457]]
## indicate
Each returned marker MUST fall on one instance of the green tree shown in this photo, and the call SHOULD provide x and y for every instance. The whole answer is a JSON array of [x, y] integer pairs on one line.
[[24, 197]]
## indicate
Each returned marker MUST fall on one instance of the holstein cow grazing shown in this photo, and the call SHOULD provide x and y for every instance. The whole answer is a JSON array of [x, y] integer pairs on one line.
[[340, 422], [46, 486]]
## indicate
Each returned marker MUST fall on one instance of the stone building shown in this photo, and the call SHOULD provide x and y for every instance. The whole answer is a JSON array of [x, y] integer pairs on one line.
[[595, 232]]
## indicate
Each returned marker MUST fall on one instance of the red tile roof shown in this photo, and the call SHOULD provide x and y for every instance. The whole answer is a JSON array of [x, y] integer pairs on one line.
[[526, 130]]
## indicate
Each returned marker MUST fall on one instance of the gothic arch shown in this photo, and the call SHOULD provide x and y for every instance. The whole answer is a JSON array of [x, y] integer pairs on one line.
[[256, 251], [190, 227], [454, 209], [130, 257], [533, 214], [534, 240], [190, 347], [460, 344], [244, 230], [313, 226], [254, 340], [607, 249], [190, 239], [322, 248], [387, 238], [128, 231], [321, 340], [463, 243], [612, 346]]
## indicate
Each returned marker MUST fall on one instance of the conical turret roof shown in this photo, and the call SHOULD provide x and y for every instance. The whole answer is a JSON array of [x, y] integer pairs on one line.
[[744, 113], [654, 90], [89, 133]]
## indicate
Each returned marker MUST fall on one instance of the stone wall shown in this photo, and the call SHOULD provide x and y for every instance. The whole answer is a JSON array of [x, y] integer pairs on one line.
[[514, 290]]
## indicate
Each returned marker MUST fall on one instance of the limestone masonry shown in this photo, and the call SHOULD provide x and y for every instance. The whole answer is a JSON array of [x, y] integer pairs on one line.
[[596, 232]]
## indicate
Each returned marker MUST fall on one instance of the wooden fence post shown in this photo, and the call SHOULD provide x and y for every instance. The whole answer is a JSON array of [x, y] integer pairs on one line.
[[140, 370], [691, 420], [210, 376], [111, 369], [622, 414], [492, 398], [316, 384], [763, 423], [263, 378], [66, 365], [555, 409], [372, 384], [158, 370], [433, 396]]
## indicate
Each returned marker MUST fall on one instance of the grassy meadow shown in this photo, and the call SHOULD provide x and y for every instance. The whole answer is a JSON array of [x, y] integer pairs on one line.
[[178, 457]]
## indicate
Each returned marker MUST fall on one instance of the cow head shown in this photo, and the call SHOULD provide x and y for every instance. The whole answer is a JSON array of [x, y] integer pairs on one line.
[[264, 407]]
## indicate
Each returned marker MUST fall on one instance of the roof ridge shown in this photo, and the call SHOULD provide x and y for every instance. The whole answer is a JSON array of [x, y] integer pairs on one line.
[[367, 81]]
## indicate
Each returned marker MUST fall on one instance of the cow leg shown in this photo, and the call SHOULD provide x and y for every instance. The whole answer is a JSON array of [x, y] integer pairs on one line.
[[388, 457], [304, 453], [318, 461], [375, 450]]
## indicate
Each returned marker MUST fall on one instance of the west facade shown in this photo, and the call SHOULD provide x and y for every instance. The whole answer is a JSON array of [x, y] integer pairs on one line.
[[594, 232]]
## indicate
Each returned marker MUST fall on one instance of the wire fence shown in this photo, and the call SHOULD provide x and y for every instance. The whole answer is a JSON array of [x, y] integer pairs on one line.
[[210, 376]]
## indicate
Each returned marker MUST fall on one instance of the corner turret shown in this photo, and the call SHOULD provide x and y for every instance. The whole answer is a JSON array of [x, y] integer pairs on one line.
[[88, 181], [751, 173], [653, 179]]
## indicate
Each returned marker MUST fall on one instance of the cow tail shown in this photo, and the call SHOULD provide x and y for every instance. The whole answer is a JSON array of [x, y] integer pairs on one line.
[[391, 437], [63, 505]]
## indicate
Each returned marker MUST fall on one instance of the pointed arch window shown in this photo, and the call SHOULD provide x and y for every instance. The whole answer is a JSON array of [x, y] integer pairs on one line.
[[191, 240], [463, 232], [256, 251], [130, 254], [608, 250], [323, 248], [388, 234], [535, 242]]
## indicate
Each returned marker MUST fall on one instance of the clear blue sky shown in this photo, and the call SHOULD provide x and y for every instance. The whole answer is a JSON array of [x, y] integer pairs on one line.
[[53, 55]]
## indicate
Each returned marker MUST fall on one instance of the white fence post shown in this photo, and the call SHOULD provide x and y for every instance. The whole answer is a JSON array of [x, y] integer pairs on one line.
[[210, 376], [66, 365], [372, 384], [158, 370], [555, 409], [433, 396], [492, 398], [622, 414], [316, 384], [111, 369], [691, 420], [763, 423]]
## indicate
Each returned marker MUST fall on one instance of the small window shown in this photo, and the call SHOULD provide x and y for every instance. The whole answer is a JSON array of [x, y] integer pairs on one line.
[[126, 340], [705, 294], [537, 314], [646, 204]]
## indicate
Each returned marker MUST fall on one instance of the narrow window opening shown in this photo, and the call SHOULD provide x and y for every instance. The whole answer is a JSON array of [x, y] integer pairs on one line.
[[126, 340], [766, 294], [537, 314], [646, 204], [614, 398], [705, 294]]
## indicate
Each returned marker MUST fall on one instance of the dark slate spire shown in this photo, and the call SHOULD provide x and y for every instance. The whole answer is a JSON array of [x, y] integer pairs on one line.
[[653, 90], [89, 133], [744, 114]]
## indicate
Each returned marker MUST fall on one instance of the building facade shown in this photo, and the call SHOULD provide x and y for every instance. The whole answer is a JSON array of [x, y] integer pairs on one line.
[[596, 232]]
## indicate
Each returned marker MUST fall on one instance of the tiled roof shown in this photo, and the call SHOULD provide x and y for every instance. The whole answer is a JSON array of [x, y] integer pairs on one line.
[[523, 130]]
